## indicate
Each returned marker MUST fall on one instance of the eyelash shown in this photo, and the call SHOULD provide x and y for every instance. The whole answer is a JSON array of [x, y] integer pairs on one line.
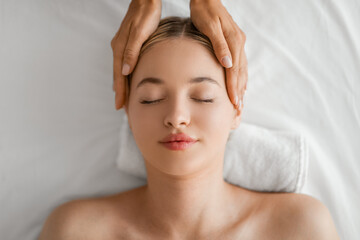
[[198, 100]]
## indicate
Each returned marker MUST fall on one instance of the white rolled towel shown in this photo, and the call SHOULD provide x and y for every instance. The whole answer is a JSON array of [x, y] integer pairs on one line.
[[256, 158]]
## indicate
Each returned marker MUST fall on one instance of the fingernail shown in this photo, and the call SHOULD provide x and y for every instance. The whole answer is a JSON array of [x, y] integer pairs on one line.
[[236, 100], [125, 69], [227, 62]]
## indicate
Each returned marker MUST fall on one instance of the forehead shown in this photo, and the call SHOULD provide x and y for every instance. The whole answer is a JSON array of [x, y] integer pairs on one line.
[[178, 60]]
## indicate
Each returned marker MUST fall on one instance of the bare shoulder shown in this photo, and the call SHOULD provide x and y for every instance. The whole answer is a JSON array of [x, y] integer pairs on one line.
[[81, 219], [300, 216], [62, 222], [108, 217]]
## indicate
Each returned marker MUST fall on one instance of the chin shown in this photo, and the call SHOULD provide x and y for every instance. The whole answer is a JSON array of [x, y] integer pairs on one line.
[[177, 165]]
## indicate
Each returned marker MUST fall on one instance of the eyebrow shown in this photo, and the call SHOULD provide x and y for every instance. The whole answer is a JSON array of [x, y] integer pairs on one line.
[[158, 81]]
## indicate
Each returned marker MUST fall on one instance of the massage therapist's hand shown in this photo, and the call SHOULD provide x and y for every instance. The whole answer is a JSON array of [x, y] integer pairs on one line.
[[141, 20], [211, 18]]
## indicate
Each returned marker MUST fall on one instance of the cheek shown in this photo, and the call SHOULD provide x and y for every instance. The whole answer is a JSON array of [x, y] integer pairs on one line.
[[143, 126], [214, 121], [207, 117]]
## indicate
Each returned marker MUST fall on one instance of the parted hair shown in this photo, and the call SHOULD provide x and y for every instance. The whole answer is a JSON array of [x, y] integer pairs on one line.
[[173, 27]]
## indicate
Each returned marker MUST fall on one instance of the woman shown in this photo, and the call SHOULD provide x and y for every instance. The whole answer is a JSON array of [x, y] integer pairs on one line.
[[181, 115], [209, 16]]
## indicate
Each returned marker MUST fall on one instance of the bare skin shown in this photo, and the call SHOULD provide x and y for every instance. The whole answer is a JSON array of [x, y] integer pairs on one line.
[[186, 196], [142, 223], [268, 216]]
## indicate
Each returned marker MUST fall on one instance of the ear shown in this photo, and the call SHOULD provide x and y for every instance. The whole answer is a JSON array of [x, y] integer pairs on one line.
[[237, 118]]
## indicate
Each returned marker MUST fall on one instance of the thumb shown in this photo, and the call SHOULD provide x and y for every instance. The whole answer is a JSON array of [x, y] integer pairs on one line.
[[131, 53], [221, 49]]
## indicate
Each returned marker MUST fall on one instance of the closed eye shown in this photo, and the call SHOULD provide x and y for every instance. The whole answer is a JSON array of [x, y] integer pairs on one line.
[[205, 100], [197, 100], [150, 102]]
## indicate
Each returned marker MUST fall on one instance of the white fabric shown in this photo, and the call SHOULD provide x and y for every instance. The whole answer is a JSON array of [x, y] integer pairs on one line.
[[59, 129], [255, 158]]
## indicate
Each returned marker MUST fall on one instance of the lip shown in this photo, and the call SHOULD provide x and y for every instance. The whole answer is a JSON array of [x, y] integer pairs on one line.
[[178, 141], [178, 137], [178, 145]]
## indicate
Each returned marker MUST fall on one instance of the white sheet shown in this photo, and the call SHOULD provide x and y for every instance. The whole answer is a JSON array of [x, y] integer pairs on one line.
[[59, 128]]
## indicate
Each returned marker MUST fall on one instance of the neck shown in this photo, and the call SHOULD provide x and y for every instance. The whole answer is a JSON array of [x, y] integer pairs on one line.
[[199, 201]]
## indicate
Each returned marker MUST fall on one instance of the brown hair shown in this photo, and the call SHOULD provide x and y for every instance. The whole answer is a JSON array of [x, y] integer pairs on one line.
[[173, 27]]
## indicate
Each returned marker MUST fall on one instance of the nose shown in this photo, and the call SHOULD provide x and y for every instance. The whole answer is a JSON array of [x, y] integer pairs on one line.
[[178, 115]]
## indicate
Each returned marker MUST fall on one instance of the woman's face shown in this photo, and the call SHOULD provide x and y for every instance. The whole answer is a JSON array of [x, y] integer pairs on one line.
[[178, 107]]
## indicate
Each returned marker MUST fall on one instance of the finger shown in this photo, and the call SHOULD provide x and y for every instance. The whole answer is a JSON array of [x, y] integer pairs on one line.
[[115, 40], [215, 33], [129, 58], [231, 85], [117, 44], [131, 53], [236, 43], [243, 69], [119, 79], [114, 67], [119, 85], [243, 74], [232, 74], [241, 90]]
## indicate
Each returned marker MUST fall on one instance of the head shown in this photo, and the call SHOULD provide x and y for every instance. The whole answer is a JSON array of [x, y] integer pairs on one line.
[[186, 93]]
